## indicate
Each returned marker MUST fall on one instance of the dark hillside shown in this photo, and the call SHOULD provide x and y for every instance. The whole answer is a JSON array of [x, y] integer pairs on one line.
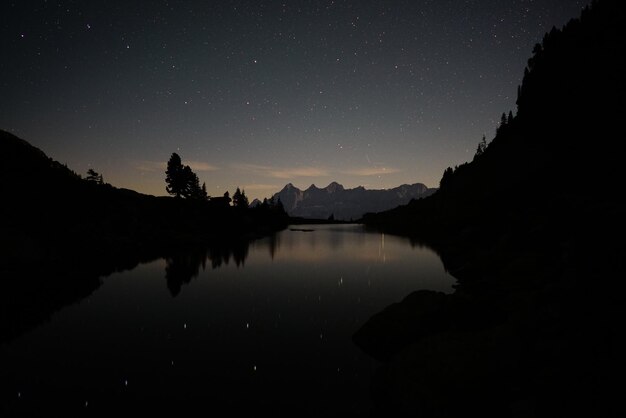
[[533, 230], [563, 144], [62, 233], [49, 212]]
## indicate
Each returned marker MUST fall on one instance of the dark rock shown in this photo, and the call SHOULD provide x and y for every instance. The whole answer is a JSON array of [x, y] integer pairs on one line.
[[420, 314]]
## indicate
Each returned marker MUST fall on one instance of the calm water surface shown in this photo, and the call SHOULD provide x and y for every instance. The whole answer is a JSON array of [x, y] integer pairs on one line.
[[262, 327]]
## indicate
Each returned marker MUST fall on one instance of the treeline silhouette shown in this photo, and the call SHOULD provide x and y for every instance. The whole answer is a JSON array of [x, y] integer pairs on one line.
[[58, 227], [533, 229], [51, 212], [562, 143], [182, 181]]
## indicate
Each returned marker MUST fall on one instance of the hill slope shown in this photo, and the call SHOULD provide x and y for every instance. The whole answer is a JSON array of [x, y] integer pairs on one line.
[[564, 142], [50, 212], [61, 233], [536, 244]]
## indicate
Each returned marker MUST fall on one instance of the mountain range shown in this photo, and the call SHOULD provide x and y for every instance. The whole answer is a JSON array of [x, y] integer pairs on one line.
[[62, 233], [345, 204]]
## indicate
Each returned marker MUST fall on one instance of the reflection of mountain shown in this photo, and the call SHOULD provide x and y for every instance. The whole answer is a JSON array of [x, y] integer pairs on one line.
[[346, 204], [184, 266]]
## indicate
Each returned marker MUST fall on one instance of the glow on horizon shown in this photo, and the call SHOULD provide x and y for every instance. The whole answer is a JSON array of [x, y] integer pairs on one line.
[[376, 95]]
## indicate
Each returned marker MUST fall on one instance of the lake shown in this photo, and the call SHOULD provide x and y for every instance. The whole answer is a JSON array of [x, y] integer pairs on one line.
[[263, 326]]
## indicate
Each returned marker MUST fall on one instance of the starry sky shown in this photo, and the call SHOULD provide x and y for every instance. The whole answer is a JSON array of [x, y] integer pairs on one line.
[[256, 94]]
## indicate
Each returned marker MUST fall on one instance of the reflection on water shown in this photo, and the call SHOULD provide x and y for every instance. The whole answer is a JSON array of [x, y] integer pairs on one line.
[[182, 267], [253, 327]]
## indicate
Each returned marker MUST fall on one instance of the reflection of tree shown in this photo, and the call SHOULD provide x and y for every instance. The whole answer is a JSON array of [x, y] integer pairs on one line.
[[180, 269], [272, 242], [184, 266], [274, 245], [240, 253], [218, 255]]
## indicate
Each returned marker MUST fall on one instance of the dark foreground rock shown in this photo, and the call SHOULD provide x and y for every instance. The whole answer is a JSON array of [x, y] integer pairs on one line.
[[422, 314]]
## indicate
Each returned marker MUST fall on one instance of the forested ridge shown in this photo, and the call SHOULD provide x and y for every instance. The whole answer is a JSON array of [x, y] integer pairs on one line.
[[533, 230]]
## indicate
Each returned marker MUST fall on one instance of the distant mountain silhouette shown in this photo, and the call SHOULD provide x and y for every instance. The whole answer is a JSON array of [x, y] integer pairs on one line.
[[346, 204], [533, 228]]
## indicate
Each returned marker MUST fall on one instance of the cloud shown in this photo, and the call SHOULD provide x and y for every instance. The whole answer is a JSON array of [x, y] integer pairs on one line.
[[370, 171], [292, 173], [201, 166], [287, 173], [152, 166], [284, 172], [251, 187]]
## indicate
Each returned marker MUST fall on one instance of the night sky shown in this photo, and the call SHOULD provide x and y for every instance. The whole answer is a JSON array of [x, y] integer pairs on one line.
[[257, 94]]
